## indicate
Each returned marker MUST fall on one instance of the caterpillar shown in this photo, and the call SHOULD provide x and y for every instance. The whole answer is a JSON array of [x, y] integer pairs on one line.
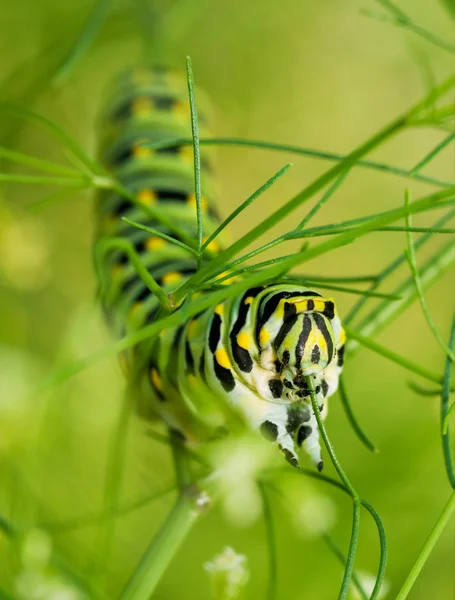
[[250, 354]]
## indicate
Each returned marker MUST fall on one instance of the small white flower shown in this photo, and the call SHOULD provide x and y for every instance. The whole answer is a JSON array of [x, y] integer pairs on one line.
[[238, 462], [229, 574]]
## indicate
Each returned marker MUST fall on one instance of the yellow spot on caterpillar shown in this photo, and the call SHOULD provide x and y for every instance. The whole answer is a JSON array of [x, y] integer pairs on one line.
[[146, 196], [155, 243], [187, 154], [264, 336], [219, 309], [140, 151], [222, 358], [171, 277], [228, 281], [342, 336], [181, 109], [249, 300], [156, 380], [142, 105], [244, 340], [192, 202]]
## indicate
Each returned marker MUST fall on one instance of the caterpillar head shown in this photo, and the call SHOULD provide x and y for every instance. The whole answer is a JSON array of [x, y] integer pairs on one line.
[[303, 345]]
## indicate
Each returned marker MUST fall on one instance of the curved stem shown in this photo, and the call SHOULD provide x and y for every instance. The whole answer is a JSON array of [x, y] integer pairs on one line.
[[349, 487]]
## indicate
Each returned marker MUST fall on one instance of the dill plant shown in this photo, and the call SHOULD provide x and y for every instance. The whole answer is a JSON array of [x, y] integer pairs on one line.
[[196, 484]]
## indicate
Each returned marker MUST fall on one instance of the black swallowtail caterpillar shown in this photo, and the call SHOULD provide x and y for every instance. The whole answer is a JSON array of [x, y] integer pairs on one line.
[[253, 352]]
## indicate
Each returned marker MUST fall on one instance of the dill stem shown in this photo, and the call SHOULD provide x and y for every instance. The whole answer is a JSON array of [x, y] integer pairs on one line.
[[162, 549], [434, 536], [356, 500]]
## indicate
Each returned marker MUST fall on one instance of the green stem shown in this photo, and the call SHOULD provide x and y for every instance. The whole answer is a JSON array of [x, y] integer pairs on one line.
[[271, 544], [163, 548], [349, 487], [342, 558], [428, 547], [352, 418], [383, 549], [445, 411]]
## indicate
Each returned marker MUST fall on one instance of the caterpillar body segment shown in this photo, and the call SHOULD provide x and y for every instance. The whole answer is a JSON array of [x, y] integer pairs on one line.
[[249, 355]]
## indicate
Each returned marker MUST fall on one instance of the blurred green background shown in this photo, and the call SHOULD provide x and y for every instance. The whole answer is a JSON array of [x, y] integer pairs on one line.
[[315, 74]]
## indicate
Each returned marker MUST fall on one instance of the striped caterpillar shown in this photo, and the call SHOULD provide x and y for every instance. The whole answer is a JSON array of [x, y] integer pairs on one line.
[[250, 354]]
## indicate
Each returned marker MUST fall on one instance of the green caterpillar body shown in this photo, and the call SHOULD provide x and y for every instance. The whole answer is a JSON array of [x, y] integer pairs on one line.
[[248, 355]]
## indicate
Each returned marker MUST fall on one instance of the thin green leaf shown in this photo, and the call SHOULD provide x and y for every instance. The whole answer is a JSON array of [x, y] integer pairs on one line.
[[215, 297], [411, 256], [393, 266], [346, 290], [123, 245], [320, 154], [323, 200], [161, 235], [38, 163], [67, 141], [364, 439], [246, 203], [197, 156], [401, 19], [220, 263], [393, 356], [55, 197], [84, 41], [347, 279], [436, 150], [59, 527], [153, 212], [422, 391], [44, 180], [385, 313]]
